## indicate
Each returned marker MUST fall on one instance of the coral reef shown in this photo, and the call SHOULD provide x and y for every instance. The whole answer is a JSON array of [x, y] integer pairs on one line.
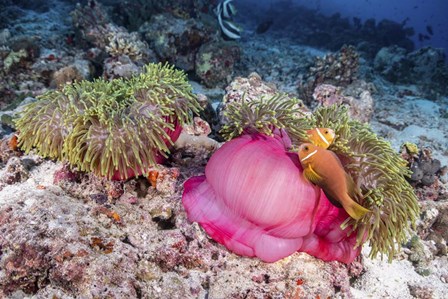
[[15, 171], [277, 61], [103, 127], [120, 67], [17, 55], [424, 170], [93, 25], [66, 75], [14, 58], [39, 69], [5, 35], [194, 139], [65, 232], [124, 43], [192, 45], [251, 88], [425, 67], [176, 40], [215, 62], [338, 69], [133, 14], [388, 62], [437, 232], [427, 172], [311, 27], [360, 105]]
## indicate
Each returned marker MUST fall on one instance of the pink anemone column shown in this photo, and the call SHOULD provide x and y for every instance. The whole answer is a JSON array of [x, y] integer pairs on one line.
[[254, 200]]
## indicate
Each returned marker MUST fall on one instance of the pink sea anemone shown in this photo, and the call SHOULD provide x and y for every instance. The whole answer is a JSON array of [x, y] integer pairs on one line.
[[254, 200]]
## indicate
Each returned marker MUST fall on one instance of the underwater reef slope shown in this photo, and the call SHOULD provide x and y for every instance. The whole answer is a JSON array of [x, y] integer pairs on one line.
[[66, 233]]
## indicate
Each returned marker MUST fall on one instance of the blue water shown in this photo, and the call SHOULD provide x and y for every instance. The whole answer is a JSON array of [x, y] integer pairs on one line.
[[419, 14]]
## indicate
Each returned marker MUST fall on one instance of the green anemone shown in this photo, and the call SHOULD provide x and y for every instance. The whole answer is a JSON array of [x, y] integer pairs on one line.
[[279, 111], [378, 171], [110, 127]]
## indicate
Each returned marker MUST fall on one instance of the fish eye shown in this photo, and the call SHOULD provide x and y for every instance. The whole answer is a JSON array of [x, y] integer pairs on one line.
[[326, 132], [306, 148]]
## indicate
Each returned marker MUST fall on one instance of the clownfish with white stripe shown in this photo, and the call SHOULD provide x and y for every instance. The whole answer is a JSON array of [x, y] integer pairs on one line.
[[224, 11], [322, 137], [324, 169]]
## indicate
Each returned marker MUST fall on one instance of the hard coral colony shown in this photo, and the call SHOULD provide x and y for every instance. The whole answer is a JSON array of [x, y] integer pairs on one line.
[[254, 199], [118, 128]]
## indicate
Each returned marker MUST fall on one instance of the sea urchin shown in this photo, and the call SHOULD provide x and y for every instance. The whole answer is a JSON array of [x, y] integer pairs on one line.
[[117, 129]]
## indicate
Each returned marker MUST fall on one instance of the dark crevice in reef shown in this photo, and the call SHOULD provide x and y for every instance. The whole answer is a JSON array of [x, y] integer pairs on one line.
[[127, 241]]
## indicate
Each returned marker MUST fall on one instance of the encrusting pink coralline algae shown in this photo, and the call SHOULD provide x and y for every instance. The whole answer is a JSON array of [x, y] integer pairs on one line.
[[254, 200]]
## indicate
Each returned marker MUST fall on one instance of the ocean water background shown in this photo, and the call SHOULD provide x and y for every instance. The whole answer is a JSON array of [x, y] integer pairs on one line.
[[418, 13]]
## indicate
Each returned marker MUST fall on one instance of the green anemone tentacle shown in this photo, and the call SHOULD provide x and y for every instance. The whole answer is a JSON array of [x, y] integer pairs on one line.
[[106, 127]]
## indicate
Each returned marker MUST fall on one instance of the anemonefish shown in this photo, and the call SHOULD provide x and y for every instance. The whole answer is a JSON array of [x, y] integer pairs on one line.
[[323, 168], [322, 137], [224, 12]]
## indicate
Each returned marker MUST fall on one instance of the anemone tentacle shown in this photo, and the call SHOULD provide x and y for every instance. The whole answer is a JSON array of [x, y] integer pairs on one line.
[[110, 127], [264, 114], [380, 174]]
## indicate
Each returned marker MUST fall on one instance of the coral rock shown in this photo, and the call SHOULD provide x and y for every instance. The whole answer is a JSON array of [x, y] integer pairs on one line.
[[93, 26], [66, 75], [338, 69], [357, 96], [215, 62], [15, 171], [176, 40], [120, 67]]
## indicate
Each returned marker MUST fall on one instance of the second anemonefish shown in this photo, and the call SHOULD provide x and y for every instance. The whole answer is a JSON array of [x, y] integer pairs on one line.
[[323, 168], [322, 137]]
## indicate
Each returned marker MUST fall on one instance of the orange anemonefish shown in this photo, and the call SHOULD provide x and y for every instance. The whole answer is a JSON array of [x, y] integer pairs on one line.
[[322, 137], [323, 168]]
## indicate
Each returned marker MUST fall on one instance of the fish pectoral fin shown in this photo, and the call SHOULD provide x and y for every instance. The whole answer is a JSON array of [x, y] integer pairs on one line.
[[311, 175], [355, 210]]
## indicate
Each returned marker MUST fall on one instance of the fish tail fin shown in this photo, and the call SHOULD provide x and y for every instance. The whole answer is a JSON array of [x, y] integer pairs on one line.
[[355, 210]]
